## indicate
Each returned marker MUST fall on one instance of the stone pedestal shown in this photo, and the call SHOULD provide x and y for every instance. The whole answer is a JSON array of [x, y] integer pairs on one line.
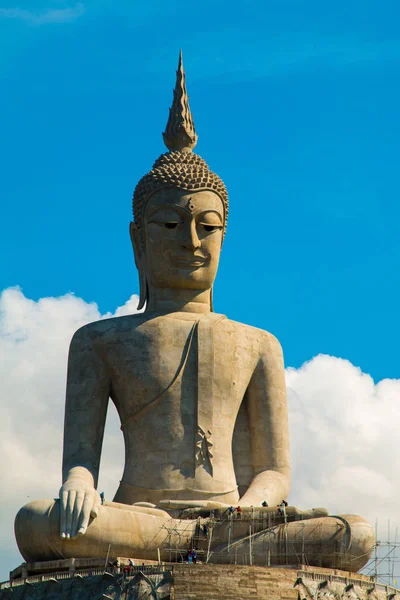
[[191, 582]]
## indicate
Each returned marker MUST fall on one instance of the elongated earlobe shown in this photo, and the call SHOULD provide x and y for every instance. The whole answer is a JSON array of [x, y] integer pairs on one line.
[[138, 254], [144, 289]]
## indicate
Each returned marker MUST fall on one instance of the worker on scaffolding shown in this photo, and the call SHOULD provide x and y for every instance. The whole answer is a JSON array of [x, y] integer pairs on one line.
[[191, 556], [282, 508], [126, 571]]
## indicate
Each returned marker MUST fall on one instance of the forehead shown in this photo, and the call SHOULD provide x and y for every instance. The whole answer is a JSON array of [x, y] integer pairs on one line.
[[200, 200]]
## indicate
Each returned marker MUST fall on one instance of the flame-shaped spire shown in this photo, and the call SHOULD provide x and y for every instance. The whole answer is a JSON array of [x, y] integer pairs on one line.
[[180, 133]]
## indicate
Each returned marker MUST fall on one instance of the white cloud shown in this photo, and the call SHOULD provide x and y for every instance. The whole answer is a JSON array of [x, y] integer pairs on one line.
[[344, 437], [345, 453], [344, 441], [54, 15]]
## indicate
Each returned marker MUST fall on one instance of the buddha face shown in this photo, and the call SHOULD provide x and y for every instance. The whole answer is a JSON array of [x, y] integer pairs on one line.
[[183, 237]]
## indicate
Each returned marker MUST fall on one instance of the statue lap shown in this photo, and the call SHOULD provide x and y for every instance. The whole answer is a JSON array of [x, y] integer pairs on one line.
[[143, 532]]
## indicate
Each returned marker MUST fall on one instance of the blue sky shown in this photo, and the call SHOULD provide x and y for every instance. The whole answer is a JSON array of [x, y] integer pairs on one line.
[[296, 107]]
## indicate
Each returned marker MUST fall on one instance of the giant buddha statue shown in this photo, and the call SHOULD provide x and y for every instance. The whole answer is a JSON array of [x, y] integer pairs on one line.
[[201, 400]]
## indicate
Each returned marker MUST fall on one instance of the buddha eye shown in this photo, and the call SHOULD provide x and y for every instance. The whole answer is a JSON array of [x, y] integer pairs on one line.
[[170, 225], [210, 228]]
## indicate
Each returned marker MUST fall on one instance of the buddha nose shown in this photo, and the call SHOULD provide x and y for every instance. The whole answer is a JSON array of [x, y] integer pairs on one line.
[[191, 240]]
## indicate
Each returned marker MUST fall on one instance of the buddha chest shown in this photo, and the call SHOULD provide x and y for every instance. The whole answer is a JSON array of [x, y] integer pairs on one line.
[[178, 384]]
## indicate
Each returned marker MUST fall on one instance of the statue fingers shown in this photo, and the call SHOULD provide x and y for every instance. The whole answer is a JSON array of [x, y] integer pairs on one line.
[[80, 496], [85, 513], [96, 509], [96, 505], [63, 514], [69, 511]]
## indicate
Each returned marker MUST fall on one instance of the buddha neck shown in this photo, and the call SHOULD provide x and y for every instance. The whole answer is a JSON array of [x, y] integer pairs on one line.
[[166, 300]]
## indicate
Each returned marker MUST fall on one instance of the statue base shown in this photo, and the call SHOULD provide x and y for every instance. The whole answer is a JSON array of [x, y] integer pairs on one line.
[[91, 579]]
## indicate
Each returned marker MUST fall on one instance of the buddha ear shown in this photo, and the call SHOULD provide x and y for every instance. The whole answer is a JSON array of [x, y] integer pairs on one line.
[[138, 254], [136, 244]]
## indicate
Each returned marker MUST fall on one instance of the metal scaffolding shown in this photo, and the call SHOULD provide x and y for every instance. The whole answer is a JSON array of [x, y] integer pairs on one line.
[[384, 563], [259, 537]]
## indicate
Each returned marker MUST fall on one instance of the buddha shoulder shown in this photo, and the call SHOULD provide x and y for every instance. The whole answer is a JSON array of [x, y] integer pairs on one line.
[[260, 341], [106, 331]]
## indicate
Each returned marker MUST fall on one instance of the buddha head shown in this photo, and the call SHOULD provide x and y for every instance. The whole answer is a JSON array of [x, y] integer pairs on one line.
[[180, 210]]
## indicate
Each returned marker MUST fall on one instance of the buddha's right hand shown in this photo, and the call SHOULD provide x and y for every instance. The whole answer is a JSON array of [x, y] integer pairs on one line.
[[78, 502]]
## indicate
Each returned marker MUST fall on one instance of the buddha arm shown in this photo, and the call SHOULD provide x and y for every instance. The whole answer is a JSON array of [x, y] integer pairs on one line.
[[268, 424], [85, 414]]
